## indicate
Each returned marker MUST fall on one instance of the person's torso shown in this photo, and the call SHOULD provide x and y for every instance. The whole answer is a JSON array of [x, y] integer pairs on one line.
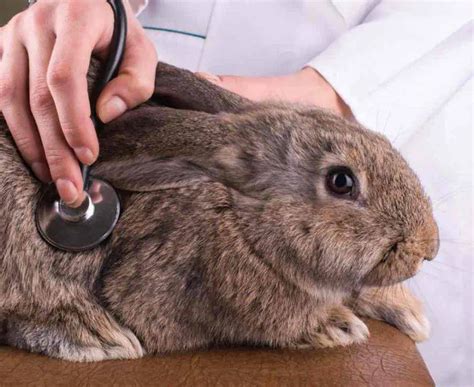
[[248, 37]]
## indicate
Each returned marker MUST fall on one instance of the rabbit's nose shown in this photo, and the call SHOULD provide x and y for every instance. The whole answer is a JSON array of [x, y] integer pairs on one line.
[[434, 250], [432, 246]]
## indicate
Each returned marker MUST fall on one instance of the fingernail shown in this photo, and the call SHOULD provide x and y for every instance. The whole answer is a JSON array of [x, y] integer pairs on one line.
[[209, 77], [112, 109], [67, 190], [41, 171], [78, 201], [84, 155]]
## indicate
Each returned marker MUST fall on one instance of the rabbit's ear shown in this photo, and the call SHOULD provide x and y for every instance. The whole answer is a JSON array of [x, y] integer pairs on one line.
[[150, 174], [227, 164], [181, 89]]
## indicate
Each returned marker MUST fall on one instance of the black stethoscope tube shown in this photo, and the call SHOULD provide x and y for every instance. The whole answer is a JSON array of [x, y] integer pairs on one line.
[[110, 69]]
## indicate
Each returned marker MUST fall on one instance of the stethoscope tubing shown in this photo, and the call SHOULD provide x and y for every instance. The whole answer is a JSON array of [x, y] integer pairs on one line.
[[110, 69]]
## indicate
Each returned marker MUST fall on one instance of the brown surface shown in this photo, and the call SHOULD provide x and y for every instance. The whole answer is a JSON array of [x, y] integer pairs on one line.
[[389, 359]]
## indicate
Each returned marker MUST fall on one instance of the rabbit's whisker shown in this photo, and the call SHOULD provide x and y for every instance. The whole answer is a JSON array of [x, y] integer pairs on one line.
[[436, 277], [447, 179], [451, 266], [415, 284], [437, 202]]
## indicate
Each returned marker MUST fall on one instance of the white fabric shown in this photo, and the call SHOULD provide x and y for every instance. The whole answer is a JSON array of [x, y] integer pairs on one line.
[[138, 5], [402, 48], [181, 49], [441, 152], [405, 68]]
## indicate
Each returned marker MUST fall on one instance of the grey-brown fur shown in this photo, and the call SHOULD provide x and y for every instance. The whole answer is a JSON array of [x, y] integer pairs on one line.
[[228, 234]]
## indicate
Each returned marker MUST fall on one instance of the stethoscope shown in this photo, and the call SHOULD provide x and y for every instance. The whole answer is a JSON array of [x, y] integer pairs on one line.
[[84, 227]]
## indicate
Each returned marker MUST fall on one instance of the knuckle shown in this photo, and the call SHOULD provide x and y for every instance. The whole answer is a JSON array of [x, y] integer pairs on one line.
[[72, 132], [7, 91], [38, 15], [40, 99], [140, 39], [144, 88], [137, 38], [24, 143], [59, 74], [55, 157], [73, 9]]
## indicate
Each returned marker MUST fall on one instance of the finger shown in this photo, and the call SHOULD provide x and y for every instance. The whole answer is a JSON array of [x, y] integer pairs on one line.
[[253, 88], [62, 163], [15, 108], [67, 81], [135, 82]]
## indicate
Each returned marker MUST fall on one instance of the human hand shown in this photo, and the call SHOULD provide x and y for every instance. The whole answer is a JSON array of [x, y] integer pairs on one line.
[[44, 59], [306, 87]]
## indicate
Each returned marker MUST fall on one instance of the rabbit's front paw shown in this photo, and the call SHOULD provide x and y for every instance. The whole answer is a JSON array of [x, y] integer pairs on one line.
[[340, 327], [397, 306], [410, 321]]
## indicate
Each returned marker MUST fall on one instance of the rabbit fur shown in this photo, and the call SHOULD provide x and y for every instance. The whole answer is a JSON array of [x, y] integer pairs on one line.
[[228, 234]]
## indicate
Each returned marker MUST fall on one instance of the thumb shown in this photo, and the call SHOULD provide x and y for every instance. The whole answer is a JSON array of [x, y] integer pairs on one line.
[[134, 84]]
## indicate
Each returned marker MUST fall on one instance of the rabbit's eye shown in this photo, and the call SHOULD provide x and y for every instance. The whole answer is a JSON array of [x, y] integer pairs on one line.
[[340, 181]]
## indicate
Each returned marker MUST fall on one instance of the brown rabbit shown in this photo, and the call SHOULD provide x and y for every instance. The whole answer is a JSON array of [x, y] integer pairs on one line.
[[242, 223]]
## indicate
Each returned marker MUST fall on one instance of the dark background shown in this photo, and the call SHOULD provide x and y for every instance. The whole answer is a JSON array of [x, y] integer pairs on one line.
[[9, 7]]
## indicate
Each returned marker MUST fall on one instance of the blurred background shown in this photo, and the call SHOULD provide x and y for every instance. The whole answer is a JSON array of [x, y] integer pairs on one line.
[[9, 7]]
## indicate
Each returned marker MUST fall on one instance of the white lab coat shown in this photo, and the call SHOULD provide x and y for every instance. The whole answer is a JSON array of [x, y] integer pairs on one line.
[[404, 68], [371, 51]]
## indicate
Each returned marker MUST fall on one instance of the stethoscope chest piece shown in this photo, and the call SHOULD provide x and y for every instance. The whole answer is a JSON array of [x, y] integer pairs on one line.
[[81, 228]]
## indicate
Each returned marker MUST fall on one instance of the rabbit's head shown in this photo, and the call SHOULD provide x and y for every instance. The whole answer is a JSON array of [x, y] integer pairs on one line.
[[336, 199], [316, 195]]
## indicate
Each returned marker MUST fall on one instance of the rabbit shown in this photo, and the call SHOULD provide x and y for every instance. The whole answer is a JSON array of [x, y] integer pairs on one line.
[[243, 223]]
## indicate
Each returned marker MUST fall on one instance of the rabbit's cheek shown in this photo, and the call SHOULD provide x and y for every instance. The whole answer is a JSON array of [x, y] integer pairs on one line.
[[396, 268]]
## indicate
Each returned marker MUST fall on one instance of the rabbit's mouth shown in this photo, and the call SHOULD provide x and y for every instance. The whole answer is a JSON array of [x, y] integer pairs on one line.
[[391, 252], [395, 265]]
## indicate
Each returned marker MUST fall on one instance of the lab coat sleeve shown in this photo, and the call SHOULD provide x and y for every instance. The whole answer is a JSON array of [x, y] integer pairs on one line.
[[400, 63]]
